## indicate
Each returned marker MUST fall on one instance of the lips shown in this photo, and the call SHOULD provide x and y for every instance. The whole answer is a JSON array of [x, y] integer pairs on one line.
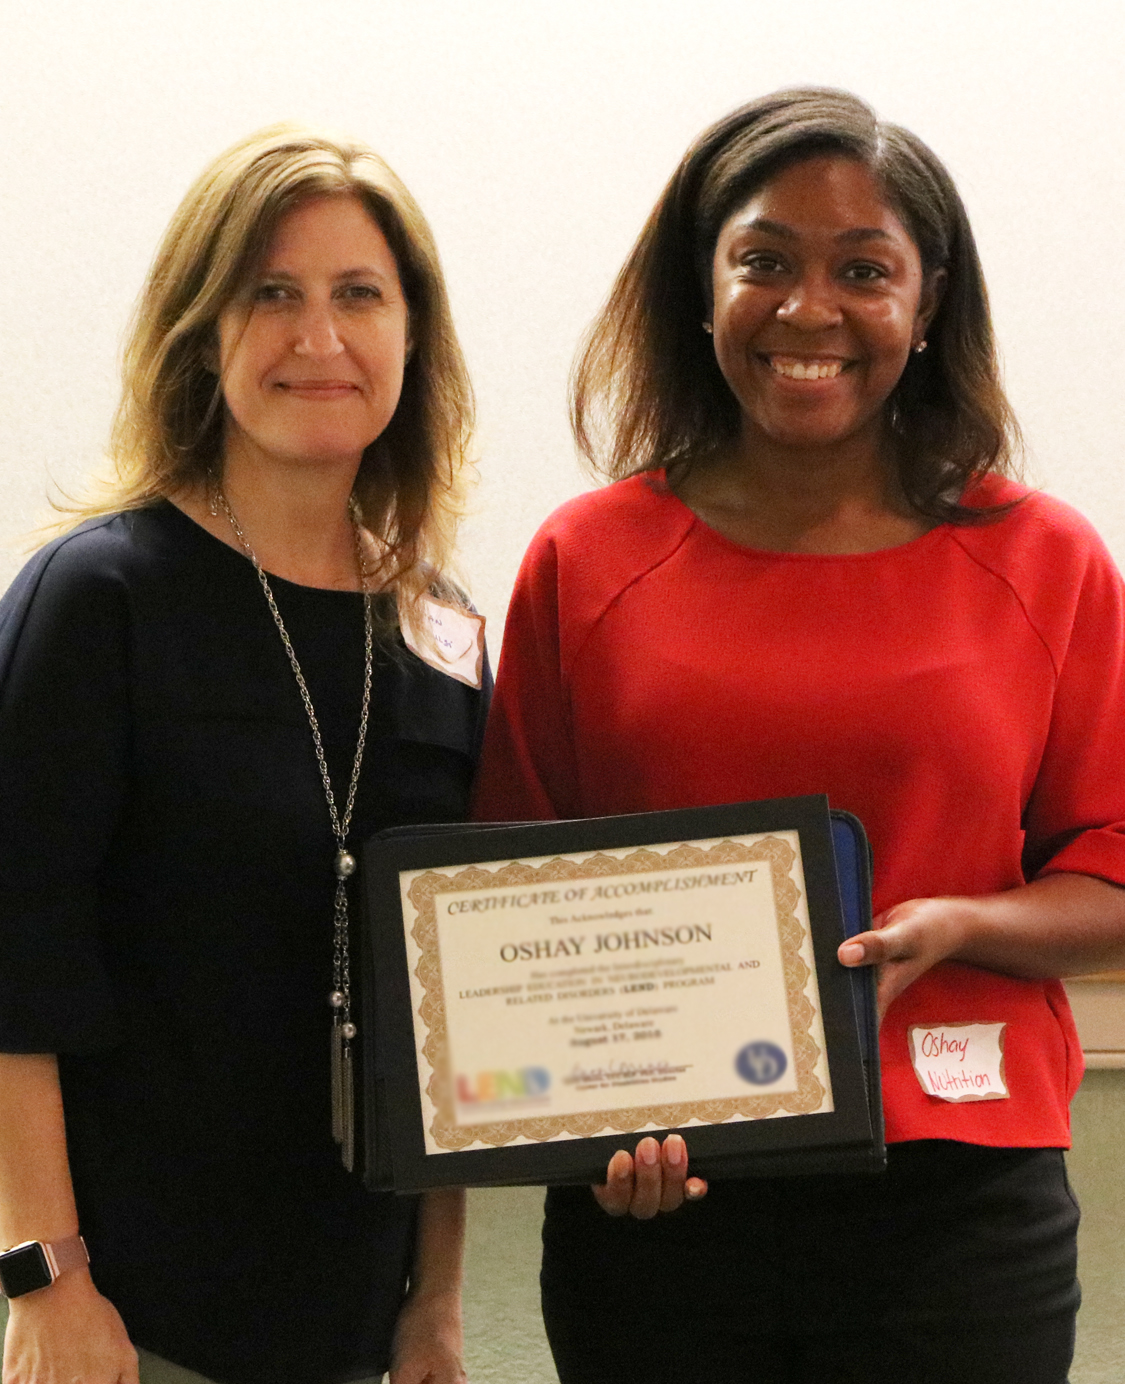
[[806, 368], [318, 389]]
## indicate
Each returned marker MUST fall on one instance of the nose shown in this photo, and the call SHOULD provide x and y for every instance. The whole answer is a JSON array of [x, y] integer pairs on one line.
[[812, 304], [317, 337]]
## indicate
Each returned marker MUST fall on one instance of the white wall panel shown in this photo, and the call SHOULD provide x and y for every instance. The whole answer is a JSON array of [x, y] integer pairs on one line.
[[537, 136]]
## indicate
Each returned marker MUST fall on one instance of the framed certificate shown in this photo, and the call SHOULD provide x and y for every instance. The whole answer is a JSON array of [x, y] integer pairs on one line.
[[542, 994]]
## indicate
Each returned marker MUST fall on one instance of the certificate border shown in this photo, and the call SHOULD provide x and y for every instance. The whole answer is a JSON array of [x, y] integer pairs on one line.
[[847, 1138], [769, 849]]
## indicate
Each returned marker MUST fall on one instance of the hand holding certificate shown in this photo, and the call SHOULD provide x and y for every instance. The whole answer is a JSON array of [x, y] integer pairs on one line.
[[547, 990], [655, 1179]]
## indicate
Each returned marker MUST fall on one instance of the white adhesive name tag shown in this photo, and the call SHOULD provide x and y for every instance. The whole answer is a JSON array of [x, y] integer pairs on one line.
[[960, 1061], [453, 642]]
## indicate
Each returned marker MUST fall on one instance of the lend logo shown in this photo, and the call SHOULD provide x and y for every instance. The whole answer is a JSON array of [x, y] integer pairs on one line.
[[499, 1086]]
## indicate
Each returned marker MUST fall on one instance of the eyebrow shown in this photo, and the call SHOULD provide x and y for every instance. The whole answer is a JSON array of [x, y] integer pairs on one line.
[[783, 232], [369, 272]]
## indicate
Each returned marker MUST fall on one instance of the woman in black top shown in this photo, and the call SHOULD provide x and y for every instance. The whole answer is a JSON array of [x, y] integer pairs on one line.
[[206, 701]]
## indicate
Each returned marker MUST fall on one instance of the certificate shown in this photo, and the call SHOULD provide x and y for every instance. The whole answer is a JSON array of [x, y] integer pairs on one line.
[[539, 1007]]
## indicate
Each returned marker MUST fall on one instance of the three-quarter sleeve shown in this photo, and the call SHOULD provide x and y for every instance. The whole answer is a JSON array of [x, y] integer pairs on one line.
[[64, 748], [1073, 821]]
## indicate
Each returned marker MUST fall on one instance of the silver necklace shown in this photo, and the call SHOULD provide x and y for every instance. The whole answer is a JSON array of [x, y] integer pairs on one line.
[[344, 1030]]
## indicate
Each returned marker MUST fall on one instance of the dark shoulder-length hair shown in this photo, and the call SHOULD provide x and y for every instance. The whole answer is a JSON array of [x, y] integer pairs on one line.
[[646, 391], [168, 434]]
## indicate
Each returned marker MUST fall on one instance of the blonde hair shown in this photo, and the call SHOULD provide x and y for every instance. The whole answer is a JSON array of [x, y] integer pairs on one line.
[[168, 433]]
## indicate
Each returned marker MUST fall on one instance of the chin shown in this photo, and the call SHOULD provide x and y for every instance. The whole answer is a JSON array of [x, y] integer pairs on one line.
[[812, 432], [799, 439], [319, 452]]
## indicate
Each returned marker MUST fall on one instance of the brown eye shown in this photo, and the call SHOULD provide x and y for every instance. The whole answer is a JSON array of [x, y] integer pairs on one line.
[[763, 263], [361, 293], [865, 273]]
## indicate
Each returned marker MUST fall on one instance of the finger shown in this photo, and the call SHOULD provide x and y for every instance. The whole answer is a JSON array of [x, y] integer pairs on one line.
[[616, 1193], [888, 989], [674, 1160], [894, 979], [865, 949], [648, 1179], [874, 948], [852, 953]]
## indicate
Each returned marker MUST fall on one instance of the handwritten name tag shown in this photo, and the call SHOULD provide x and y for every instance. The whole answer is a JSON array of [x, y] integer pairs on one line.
[[451, 639], [960, 1061]]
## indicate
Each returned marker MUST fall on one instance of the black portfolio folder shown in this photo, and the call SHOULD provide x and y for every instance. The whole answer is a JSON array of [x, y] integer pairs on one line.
[[397, 1112]]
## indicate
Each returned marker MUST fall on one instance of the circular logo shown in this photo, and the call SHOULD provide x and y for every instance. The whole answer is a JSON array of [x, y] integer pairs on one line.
[[761, 1063]]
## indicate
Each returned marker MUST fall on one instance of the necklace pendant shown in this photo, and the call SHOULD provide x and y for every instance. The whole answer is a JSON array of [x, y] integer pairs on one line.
[[343, 1092], [344, 865], [337, 1082], [347, 1141]]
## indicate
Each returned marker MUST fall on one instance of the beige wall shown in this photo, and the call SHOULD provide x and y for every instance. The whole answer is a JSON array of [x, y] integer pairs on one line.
[[537, 135]]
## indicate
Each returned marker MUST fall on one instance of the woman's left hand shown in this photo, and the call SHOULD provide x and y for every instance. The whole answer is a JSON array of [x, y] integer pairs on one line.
[[905, 942], [428, 1341], [1059, 925]]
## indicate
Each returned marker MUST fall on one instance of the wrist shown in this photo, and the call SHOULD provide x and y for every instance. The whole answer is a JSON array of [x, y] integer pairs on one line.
[[967, 922], [35, 1265], [435, 1297], [68, 1292]]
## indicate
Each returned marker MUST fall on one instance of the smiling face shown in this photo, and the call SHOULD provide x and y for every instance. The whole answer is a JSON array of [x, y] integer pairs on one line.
[[312, 353], [819, 296]]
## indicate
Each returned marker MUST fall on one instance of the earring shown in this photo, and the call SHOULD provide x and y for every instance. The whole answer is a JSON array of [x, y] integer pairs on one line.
[[707, 327], [919, 348]]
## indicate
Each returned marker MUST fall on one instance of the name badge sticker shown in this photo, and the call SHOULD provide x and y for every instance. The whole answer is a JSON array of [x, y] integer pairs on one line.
[[959, 1062], [453, 641]]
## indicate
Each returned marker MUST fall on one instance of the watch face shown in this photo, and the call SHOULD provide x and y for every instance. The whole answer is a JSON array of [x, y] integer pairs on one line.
[[24, 1269]]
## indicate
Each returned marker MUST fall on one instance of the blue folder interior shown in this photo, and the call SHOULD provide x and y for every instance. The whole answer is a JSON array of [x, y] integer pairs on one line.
[[848, 876], [852, 874]]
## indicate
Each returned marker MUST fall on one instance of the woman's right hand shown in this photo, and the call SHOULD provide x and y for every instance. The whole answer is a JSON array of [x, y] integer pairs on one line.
[[67, 1334], [654, 1180]]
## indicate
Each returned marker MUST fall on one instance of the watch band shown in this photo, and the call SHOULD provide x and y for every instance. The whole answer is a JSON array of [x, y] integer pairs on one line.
[[36, 1264], [70, 1253]]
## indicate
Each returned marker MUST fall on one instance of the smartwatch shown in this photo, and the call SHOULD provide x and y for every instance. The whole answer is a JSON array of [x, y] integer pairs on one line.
[[36, 1264]]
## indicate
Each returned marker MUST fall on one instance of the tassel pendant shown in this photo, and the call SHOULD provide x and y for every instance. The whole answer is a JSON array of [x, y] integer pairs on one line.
[[337, 1082], [343, 1083], [347, 1107]]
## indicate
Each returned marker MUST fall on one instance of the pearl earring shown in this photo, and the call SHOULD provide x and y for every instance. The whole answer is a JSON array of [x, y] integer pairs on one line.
[[919, 348], [707, 327]]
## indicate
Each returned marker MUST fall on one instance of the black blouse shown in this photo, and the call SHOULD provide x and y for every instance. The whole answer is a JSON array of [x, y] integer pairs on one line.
[[165, 926]]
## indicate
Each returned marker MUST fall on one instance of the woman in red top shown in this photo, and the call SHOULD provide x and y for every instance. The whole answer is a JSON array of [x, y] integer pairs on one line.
[[813, 576]]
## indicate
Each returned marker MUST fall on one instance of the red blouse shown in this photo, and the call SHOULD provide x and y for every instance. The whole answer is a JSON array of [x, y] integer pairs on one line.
[[963, 694]]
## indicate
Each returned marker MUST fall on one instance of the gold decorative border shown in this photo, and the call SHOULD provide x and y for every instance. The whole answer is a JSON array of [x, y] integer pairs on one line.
[[426, 889]]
